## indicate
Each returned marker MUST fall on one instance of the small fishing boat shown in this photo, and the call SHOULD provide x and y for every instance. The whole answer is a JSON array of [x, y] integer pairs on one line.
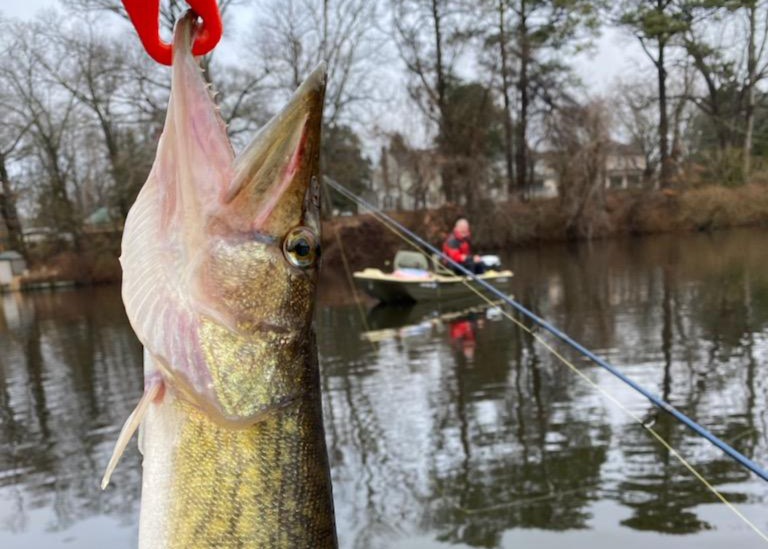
[[413, 280]]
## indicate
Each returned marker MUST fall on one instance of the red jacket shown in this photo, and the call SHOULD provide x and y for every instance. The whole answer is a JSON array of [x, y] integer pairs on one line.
[[456, 247]]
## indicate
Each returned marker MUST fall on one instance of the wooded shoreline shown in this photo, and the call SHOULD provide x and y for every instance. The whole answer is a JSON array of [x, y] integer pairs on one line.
[[367, 243], [511, 224]]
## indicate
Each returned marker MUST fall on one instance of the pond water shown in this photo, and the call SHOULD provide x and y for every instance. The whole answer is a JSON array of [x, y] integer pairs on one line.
[[447, 426]]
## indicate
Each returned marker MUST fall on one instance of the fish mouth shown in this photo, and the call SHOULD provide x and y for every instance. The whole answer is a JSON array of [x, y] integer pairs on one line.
[[272, 175], [260, 190]]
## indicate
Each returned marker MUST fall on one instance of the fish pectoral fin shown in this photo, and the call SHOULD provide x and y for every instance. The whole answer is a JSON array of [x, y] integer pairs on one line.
[[130, 426]]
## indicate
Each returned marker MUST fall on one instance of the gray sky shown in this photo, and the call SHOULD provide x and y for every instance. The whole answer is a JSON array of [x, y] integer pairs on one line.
[[23, 8], [614, 54]]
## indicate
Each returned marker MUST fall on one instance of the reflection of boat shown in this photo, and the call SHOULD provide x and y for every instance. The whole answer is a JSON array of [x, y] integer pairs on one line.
[[412, 280], [387, 321], [396, 315]]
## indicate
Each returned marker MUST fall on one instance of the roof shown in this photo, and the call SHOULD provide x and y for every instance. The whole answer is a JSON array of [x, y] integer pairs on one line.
[[10, 255], [624, 149], [99, 216]]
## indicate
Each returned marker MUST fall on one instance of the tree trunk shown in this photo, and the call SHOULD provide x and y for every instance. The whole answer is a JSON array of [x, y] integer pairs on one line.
[[666, 167], [713, 106], [9, 212], [446, 172], [64, 210], [750, 111], [522, 122], [677, 121], [508, 151]]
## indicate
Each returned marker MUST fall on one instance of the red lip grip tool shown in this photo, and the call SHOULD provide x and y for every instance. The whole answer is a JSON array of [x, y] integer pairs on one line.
[[144, 16]]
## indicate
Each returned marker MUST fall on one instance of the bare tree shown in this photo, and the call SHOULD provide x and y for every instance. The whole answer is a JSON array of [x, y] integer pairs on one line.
[[532, 37], [681, 88], [755, 13], [498, 57], [295, 35], [728, 48], [49, 117], [580, 135], [95, 71], [12, 131], [415, 166], [239, 89], [635, 108], [11, 136], [429, 39], [241, 95], [718, 76], [656, 24]]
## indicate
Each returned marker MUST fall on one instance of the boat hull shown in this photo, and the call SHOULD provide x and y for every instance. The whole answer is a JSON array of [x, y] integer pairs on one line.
[[393, 289]]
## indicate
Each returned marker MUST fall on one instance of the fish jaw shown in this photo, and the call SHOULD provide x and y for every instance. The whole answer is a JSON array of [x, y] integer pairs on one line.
[[219, 302], [272, 175]]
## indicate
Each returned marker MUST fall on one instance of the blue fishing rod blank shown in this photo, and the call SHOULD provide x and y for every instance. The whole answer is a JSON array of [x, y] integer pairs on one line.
[[667, 407]]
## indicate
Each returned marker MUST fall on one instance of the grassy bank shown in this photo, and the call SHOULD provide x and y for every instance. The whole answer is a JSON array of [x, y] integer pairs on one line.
[[97, 264], [501, 225]]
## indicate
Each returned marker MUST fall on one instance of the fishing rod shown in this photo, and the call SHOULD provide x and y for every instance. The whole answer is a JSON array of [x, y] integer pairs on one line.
[[655, 400]]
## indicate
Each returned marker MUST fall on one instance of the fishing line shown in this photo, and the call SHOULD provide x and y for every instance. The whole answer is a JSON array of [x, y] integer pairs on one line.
[[351, 282], [419, 244]]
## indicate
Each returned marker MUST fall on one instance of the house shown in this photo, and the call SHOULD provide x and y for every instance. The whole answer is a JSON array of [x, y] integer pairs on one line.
[[545, 177], [407, 179], [410, 179], [103, 220], [12, 264], [625, 168], [44, 235]]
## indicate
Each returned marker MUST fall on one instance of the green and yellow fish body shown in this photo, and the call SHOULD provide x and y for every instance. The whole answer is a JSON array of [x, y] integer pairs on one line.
[[220, 266]]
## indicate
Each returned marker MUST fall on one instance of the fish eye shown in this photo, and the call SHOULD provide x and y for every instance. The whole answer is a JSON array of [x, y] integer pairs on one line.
[[301, 247]]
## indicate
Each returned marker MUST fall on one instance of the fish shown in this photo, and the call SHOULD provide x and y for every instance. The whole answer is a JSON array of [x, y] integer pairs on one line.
[[220, 257]]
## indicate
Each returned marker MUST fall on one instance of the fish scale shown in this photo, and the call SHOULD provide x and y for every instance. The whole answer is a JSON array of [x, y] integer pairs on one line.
[[264, 486]]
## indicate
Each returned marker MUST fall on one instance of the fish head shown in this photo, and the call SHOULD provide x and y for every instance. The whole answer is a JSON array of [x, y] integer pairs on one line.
[[221, 253], [264, 239]]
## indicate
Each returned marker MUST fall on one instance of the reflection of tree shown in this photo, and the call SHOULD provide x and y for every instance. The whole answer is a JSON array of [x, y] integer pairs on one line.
[[657, 487], [528, 468], [690, 331], [71, 373], [367, 457], [655, 483], [410, 437], [728, 317]]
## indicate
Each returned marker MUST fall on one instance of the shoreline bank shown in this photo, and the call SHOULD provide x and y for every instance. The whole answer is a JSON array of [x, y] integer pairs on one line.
[[365, 242]]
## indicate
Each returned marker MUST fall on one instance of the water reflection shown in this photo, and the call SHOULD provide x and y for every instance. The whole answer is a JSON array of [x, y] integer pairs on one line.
[[446, 425], [68, 377]]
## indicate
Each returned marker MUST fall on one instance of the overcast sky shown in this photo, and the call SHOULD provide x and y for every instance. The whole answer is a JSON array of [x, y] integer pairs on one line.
[[615, 52]]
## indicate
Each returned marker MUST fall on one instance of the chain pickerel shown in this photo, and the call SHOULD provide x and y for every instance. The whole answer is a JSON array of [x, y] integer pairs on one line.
[[220, 257]]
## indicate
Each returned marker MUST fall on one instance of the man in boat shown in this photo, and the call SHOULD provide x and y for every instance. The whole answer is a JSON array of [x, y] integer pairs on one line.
[[456, 246]]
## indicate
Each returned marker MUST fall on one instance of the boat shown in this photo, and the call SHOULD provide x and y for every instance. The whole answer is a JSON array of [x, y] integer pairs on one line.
[[413, 280]]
